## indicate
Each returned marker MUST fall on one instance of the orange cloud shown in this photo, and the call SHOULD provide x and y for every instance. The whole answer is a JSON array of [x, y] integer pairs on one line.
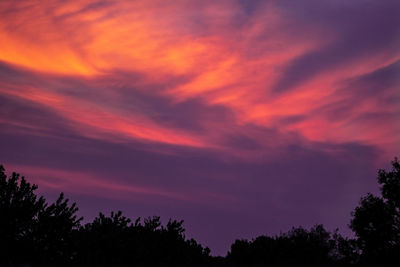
[[219, 63], [74, 39]]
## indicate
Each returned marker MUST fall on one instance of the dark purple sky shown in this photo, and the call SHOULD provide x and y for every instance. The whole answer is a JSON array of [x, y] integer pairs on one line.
[[240, 117]]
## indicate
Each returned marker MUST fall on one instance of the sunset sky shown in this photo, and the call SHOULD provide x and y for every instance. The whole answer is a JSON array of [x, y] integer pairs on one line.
[[240, 117]]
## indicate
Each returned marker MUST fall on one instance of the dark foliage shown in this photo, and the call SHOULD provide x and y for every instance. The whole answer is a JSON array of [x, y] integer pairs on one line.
[[376, 222], [19, 209], [53, 235], [298, 247], [35, 233], [32, 231], [116, 241]]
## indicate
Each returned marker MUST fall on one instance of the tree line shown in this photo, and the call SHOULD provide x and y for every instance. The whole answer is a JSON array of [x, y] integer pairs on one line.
[[36, 233]]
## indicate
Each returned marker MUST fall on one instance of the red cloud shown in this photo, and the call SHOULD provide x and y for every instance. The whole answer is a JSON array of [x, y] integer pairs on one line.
[[222, 64]]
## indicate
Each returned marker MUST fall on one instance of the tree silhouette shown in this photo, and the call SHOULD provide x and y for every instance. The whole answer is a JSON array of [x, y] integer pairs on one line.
[[115, 241], [54, 232], [36, 233], [19, 209], [298, 247], [104, 242], [31, 231], [376, 221]]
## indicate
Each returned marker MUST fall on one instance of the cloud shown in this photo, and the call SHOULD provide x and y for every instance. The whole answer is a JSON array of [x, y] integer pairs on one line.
[[136, 71]]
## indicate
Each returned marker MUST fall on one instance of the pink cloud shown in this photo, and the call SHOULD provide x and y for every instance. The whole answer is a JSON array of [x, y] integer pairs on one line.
[[83, 183], [222, 65]]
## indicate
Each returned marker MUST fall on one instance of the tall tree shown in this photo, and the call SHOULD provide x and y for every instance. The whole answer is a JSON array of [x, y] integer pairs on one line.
[[31, 230], [19, 209], [53, 234], [376, 221]]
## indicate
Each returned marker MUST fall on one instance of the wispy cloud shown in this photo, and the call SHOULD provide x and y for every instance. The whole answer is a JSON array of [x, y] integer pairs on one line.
[[271, 68]]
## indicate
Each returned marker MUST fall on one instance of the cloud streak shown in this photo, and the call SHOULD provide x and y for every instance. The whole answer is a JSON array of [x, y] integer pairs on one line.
[[247, 70]]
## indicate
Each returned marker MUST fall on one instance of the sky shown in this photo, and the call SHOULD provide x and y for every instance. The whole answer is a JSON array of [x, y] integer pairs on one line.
[[239, 117]]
